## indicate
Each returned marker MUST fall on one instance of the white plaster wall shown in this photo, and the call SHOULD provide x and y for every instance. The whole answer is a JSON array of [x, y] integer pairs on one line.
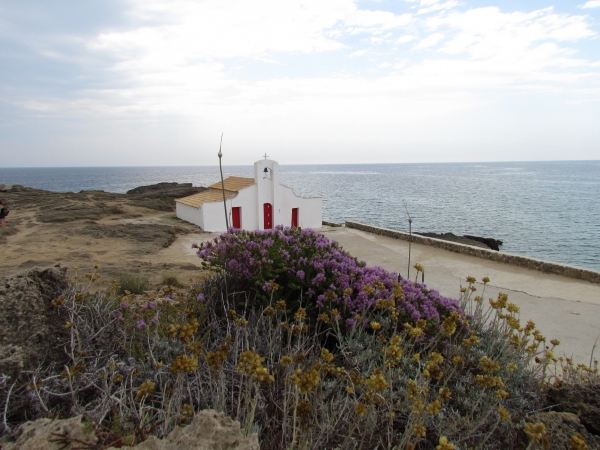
[[214, 216], [310, 210], [246, 199], [311, 213], [189, 214]]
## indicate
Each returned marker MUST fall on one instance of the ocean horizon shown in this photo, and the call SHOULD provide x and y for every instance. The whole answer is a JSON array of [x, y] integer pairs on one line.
[[546, 210]]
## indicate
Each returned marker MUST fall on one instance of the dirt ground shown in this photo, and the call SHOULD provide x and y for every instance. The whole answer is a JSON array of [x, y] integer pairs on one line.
[[134, 233]]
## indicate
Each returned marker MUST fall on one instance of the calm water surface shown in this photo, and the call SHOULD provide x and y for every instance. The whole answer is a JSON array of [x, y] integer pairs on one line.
[[547, 210]]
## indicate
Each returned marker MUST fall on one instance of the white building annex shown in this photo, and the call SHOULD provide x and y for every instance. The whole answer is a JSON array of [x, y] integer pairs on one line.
[[258, 203]]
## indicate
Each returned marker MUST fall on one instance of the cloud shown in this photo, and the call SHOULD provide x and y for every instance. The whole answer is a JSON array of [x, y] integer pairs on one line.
[[430, 40], [435, 5], [592, 4], [357, 53], [514, 43], [177, 61], [375, 21], [405, 39], [215, 29], [293, 67]]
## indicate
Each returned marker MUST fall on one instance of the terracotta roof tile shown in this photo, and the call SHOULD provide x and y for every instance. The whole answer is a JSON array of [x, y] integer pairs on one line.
[[209, 196], [233, 184]]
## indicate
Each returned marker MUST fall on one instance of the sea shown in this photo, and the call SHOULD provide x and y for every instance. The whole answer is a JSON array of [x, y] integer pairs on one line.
[[545, 210]]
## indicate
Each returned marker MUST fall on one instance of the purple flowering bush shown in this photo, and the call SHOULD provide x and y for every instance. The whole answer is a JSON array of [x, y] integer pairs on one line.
[[306, 269]]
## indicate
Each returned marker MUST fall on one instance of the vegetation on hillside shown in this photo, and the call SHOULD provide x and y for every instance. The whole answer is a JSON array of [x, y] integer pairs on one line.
[[304, 345]]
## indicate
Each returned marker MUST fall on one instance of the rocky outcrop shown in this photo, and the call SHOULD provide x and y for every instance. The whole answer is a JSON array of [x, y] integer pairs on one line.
[[451, 237], [46, 434], [209, 430], [467, 239], [583, 400], [159, 190], [30, 330], [161, 196], [492, 243]]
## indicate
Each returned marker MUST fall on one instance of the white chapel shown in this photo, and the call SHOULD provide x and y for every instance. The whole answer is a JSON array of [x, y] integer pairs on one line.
[[258, 203]]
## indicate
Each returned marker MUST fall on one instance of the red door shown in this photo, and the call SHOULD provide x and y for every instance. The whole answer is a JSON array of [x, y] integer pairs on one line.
[[236, 217], [294, 217], [268, 216]]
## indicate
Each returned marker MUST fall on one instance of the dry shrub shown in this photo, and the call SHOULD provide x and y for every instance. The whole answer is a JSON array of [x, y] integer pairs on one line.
[[141, 364]]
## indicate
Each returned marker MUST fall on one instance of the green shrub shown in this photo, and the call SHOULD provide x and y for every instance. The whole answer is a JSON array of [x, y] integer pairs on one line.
[[170, 280], [114, 209], [133, 283]]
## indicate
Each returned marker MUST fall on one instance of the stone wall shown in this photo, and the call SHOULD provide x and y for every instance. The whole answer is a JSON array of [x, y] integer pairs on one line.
[[507, 258]]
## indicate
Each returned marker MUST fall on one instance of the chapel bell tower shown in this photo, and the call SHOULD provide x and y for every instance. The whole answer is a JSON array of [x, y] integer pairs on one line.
[[266, 177]]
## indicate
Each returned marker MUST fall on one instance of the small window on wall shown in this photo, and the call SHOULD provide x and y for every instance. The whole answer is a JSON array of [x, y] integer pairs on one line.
[[294, 217], [236, 217]]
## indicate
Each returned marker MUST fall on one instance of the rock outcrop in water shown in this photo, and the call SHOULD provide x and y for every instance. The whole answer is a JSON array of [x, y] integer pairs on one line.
[[492, 243], [476, 241]]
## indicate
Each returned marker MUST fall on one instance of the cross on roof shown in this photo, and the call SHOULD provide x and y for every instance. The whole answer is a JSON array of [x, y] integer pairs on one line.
[[265, 156]]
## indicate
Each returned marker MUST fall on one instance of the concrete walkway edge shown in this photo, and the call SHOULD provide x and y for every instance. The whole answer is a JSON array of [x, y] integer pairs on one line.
[[506, 258]]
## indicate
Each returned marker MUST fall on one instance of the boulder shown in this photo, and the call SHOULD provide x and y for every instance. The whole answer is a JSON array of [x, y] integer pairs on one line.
[[467, 239], [451, 237], [209, 430], [581, 399], [31, 331], [46, 434], [492, 243]]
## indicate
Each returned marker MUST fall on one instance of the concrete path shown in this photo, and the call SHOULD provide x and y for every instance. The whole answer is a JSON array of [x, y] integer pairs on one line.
[[562, 308]]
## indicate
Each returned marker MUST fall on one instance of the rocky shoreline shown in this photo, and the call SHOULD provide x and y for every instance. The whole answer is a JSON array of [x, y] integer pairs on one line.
[[475, 241]]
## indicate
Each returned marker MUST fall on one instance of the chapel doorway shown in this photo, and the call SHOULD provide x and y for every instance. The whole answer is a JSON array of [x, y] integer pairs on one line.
[[294, 217], [268, 211], [236, 217]]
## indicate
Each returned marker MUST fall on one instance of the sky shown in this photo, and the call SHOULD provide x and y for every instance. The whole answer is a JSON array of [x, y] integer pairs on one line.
[[154, 83]]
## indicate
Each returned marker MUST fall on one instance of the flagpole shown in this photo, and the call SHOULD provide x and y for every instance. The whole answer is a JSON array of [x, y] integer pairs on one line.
[[409, 238], [223, 183]]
